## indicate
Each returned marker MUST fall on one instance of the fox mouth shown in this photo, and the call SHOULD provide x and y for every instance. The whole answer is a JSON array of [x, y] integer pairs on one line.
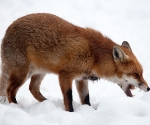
[[131, 87], [128, 90]]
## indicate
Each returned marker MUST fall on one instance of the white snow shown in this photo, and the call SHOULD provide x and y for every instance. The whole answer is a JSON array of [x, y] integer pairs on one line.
[[118, 19]]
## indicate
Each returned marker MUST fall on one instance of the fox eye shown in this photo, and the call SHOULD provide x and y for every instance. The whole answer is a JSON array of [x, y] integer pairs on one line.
[[136, 75]]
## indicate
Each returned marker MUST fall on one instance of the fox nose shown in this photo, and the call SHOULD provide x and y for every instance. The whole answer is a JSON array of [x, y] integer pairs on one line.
[[148, 89]]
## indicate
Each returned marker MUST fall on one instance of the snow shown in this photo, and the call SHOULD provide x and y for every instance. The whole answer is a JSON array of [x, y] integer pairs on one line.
[[120, 20]]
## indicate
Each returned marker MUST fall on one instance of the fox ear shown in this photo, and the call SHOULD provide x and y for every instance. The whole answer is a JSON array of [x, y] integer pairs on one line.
[[126, 45], [119, 54]]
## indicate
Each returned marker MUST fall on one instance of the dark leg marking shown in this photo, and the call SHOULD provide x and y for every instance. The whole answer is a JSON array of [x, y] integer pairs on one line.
[[70, 99], [87, 100]]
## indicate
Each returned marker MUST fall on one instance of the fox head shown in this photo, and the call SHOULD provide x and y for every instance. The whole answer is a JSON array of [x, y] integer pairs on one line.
[[129, 71]]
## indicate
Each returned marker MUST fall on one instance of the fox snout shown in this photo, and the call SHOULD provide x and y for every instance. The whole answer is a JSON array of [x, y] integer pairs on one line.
[[144, 88], [148, 89], [130, 83]]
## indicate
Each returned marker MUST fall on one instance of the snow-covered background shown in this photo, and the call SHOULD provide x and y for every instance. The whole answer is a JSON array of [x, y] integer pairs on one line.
[[118, 19]]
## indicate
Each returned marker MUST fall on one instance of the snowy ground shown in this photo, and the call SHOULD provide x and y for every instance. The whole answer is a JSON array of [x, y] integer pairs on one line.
[[120, 20]]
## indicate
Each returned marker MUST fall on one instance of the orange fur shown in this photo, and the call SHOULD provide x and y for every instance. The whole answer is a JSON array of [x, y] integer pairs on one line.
[[42, 43]]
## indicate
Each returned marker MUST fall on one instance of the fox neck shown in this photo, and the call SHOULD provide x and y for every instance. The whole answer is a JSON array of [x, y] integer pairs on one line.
[[104, 64], [102, 49]]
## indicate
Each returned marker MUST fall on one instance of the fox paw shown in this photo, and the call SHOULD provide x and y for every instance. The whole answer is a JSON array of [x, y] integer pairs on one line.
[[3, 100]]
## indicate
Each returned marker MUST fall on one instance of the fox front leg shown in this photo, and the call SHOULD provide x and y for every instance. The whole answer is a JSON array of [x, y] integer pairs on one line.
[[82, 87], [65, 81]]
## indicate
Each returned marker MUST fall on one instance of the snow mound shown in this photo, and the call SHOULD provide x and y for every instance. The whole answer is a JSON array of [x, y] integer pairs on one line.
[[124, 111], [112, 111]]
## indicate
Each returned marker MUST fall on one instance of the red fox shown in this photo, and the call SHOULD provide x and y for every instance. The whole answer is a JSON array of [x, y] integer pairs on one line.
[[41, 43]]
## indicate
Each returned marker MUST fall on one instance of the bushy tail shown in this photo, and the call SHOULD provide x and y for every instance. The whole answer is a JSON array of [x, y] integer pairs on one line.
[[3, 97]]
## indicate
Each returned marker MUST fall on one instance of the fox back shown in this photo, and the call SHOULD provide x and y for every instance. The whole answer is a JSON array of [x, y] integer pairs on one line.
[[37, 44]]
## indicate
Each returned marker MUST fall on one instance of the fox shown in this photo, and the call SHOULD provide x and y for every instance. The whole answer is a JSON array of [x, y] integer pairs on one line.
[[41, 43]]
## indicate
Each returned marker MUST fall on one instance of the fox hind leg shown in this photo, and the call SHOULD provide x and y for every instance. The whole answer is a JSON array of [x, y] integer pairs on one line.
[[35, 86], [15, 82]]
